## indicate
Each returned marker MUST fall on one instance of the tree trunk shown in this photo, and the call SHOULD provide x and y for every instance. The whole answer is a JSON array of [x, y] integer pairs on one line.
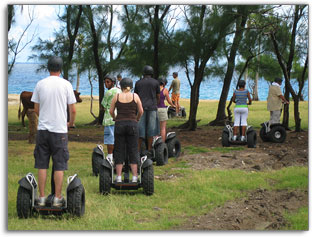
[[297, 114], [221, 116], [156, 42], [255, 96], [95, 47], [191, 124]]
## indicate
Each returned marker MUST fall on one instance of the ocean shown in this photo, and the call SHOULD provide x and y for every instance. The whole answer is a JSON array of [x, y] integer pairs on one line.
[[24, 78]]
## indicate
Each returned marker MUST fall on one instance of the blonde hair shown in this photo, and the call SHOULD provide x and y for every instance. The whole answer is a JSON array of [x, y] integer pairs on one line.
[[127, 89]]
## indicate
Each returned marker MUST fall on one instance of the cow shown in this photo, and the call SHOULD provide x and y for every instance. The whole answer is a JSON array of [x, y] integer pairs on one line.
[[25, 99]]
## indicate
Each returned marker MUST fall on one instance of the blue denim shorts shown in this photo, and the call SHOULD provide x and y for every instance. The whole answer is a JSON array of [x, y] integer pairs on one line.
[[109, 135], [149, 124]]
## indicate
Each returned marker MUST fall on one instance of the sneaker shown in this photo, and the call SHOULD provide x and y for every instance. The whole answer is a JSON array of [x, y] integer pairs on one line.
[[243, 138], [58, 202], [42, 201], [118, 179], [234, 138], [134, 179]]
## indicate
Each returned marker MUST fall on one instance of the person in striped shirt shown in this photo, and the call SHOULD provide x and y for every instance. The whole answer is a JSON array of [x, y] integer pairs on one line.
[[240, 97]]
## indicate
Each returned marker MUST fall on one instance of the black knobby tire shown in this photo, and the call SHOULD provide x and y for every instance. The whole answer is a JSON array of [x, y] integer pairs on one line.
[[76, 201], [148, 180], [277, 134], [161, 154], [96, 162], [225, 139], [183, 113], [23, 203], [263, 135], [105, 180], [252, 139], [174, 147]]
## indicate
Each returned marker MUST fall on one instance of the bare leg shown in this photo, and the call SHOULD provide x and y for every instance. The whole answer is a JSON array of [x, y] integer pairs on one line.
[[110, 149], [58, 180], [119, 169], [163, 130], [149, 143], [235, 130], [243, 130], [134, 169], [42, 178]]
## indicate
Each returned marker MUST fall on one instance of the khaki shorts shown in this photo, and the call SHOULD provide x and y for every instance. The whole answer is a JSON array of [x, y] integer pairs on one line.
[[162, 114]]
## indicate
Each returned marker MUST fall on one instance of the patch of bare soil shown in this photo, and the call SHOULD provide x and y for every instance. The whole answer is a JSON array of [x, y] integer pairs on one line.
[[260, 210]]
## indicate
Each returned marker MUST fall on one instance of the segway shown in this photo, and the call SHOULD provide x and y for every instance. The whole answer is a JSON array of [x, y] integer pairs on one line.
[[275, 133], [27, 198], [173, 144], [107, 173], [227, 137], [159, 152], [171, 111]]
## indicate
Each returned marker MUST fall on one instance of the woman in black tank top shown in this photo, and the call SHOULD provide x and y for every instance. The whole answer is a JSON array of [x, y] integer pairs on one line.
[[129, 110]]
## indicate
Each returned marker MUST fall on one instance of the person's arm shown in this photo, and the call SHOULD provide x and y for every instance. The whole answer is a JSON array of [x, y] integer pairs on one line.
[[170, 87], [283, 99], [233, 98], [72, 112], [139, 106], [166, 93], [112, 107], [36, 107], [249, 98]]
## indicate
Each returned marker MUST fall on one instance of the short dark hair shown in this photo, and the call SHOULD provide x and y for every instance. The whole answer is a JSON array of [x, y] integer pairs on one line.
[[175, 73], [55, 64], [278, 80], [118, 75]]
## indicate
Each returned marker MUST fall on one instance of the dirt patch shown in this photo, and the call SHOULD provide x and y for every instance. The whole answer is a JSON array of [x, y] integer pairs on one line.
[[260, 210]]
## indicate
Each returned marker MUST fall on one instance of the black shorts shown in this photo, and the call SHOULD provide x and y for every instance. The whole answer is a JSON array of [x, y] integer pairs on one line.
[[51, 144], [126, 142]]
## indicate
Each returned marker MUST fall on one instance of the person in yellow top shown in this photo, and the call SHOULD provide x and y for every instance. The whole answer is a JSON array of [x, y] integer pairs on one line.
[[175, 96], [275, 100]]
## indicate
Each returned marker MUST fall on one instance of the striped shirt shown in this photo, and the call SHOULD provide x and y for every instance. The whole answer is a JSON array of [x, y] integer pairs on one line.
[[241, 97]]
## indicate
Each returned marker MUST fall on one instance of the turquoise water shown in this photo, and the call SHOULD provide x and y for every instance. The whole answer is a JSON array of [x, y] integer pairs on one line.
[[24, 78]]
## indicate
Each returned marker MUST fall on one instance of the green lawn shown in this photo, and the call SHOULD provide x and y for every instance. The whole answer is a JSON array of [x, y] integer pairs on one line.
[[190, 193]]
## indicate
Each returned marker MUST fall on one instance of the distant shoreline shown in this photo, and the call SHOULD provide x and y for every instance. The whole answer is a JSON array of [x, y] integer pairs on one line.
[[14, 98]]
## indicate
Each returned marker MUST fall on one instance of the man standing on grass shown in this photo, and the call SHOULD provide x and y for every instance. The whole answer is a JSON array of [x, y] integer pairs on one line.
[[108, 123], [175, 96], [148, 90], [51, 97], [275, 100]]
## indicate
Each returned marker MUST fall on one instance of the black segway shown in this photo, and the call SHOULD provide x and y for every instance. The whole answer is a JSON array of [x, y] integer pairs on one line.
[[27, 198], [171, 111], [275, 133], [107, 173], [173, 144], [227, 137], [159, 152]]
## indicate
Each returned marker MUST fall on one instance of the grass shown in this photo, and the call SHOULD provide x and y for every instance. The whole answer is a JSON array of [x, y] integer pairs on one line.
[[174, 200]]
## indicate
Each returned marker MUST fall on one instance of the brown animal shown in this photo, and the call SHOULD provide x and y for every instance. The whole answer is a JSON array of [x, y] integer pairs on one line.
[[25, 99]]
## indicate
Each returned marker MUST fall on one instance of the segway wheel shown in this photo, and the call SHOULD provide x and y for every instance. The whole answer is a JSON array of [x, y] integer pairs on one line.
[[148, 180], [252, 139], [161, 154], [225, 139], [174, 147], [23, 203], [277, 134], [263, 135], [76, 201], [95, 165], [183, 113], [105, 180]]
